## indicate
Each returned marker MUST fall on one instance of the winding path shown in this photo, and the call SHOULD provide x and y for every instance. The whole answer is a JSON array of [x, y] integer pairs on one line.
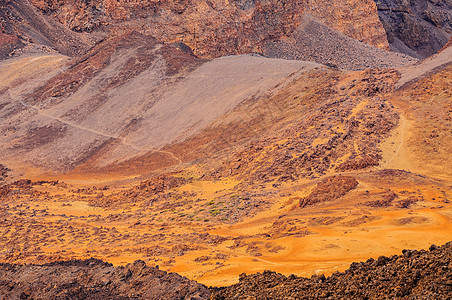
[[80, 127], [402, 136]]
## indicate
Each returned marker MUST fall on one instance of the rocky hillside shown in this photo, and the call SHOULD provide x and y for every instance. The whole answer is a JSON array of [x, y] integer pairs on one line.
[[331, 48], [94, 279], [211, 29], [84, 100], [38, 33], [216, 137], [216, 28]]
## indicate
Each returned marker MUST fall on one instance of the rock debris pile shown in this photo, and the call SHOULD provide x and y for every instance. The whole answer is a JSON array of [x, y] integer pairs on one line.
[[94, 279], [412, 275]]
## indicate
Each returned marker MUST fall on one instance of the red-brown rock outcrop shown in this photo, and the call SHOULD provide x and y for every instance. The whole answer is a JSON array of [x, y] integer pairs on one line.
[[217, 28]]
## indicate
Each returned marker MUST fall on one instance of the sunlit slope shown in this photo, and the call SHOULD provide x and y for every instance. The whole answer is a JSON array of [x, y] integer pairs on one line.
[[299, 179], [125, 98]]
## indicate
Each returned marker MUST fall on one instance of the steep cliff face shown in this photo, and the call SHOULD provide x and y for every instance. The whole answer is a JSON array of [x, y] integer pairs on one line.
[[418, 28], [216, 28], [354, 18], [20, 18]]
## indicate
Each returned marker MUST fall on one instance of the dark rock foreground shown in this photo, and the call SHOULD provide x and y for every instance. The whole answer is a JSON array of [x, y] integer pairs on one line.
[[94, 279], [412, 275]]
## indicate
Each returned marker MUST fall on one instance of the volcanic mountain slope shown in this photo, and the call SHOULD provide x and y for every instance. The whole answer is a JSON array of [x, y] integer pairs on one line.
[[259, 186], [126, 97], [331, 48], [37, 33], [210, 29], [217, 28], [116, 100], [132, 147]]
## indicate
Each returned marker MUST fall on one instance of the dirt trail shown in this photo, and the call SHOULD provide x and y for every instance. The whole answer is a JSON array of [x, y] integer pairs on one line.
[[159, 111], [71, 124], [401, 141], [395, 154]]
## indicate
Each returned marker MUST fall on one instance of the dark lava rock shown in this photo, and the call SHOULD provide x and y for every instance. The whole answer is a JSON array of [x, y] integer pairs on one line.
[[413, 275], [95, 279], [418, 28]]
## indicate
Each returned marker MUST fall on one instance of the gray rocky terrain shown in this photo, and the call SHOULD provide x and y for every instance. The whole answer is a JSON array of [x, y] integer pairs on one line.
[[314, 41]]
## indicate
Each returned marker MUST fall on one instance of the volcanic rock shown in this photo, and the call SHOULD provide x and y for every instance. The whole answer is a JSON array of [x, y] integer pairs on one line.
[[314, 41], [216, 28], [94, 279], [418, 28], [412, 275], [21, 18]]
